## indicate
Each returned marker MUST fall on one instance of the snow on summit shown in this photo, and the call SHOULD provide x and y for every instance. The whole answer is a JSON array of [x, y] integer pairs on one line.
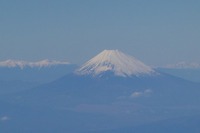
[[115, 61]]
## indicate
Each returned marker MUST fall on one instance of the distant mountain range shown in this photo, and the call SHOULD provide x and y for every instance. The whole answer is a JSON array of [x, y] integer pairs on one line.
[[188, 71], [22, 64], [21, 75], [183, 65]]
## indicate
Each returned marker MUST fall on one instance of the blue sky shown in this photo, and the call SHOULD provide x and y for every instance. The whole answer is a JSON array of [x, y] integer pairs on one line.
[[157, 32]]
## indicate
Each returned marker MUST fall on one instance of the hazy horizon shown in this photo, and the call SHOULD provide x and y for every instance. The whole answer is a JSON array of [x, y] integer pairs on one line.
[[156, 32]]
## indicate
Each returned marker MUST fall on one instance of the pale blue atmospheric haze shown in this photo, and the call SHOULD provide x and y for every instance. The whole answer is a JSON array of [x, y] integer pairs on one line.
[[157, 32]]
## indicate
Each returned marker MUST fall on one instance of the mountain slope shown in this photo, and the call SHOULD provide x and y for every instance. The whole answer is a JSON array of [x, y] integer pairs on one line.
[[126, 101]]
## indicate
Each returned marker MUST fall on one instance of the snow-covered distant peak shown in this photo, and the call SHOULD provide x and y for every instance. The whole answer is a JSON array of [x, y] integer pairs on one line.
[[13, 63], [21, 64], [184, 65], [46, 63], [115, 61]]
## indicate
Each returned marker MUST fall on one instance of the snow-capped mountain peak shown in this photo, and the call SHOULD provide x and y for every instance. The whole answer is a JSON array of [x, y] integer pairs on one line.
[[115, 61]]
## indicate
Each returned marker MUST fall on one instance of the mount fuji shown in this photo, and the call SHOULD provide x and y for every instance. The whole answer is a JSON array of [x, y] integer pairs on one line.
[[109, 77], [116, 62], [112, 75], [112, 89]]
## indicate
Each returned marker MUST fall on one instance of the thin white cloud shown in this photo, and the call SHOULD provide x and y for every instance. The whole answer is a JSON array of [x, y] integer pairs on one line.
[[137, 94], [4, 118], [147, 91]]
